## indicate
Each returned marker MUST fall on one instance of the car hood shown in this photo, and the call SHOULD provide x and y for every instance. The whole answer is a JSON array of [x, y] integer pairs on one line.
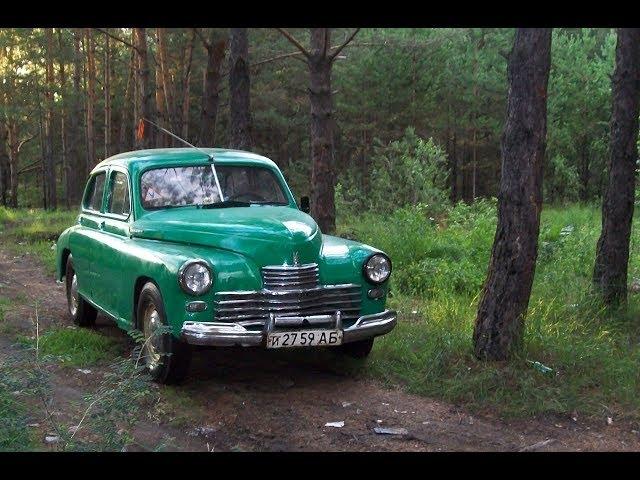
[[269, 235]]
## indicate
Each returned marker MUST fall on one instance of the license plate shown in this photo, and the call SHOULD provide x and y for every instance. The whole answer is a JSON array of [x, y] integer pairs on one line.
[[304, 338]]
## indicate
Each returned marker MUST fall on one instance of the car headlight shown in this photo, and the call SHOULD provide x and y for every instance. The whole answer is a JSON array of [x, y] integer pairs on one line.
[[377, 268], [195, 277]]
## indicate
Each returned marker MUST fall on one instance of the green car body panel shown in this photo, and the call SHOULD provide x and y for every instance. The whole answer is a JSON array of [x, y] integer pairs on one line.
[[115, 256]]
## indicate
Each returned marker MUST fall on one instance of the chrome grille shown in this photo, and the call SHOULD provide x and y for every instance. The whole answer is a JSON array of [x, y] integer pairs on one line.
[[284, 277], [252, 309]]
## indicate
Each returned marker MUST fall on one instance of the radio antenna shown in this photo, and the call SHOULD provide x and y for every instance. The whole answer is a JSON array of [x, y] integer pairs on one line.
[[208, 155]]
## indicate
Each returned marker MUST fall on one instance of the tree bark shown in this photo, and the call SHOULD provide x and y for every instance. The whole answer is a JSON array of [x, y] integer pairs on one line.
[[163, 77], [90, 49], [107, 67], [240, 136], [128, 109], [499, 325], [585, 172], [74, 156], [64, 112], [186, 85], [14, 151], [322, 131], [162, 139], [612, 253], [215, 47], [48, 164], [4, 164], [144, 93]]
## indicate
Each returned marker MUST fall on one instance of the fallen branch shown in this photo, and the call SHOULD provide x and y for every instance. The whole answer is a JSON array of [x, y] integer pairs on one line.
[[538, 445]]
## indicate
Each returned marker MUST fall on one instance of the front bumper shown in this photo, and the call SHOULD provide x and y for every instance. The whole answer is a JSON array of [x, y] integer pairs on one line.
[[232, 334]]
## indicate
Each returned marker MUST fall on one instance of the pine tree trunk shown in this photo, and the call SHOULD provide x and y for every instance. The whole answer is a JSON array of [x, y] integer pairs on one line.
[[74, 155], [14, 151], [211, 92], [584, 171], [49, 171], [108, 128], [239, 90], [4, 164], [499, 324], [612, 254], [143, 88], [128, 113], [63, 126], [322, 132], [162, 139], [186, 86], [90, 48], [163, 76]]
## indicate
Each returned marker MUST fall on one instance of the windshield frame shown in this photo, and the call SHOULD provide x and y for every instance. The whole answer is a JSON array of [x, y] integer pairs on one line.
[[275, 173]]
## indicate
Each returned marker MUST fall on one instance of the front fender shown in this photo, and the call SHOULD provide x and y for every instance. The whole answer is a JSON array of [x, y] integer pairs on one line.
[[62, 250], [161, 261]]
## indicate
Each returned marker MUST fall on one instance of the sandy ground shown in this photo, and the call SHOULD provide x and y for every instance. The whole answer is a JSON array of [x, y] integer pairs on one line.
[[255, 400]]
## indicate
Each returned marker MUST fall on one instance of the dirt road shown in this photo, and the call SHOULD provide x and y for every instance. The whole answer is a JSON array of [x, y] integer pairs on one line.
[[255, 400]]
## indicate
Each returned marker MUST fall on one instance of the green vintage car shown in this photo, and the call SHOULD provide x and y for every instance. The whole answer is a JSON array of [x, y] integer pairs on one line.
[[208, 247]]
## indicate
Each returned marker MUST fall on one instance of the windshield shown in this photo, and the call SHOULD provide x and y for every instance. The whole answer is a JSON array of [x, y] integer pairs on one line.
[[196, 185]]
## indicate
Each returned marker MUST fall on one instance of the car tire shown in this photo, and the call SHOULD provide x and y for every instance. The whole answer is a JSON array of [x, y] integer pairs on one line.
[[358, 349], [82, 312], [167, 358]]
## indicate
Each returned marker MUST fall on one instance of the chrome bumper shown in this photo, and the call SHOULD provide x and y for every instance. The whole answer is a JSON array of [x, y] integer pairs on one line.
[[232, 334]]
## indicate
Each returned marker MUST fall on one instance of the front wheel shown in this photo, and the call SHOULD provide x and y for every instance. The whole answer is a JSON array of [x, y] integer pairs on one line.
[[167, 359], [82, 313], [359, 349]]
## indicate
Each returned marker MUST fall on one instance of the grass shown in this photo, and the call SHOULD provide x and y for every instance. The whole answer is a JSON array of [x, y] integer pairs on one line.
[[440, 265], [34, 231], [14, 436], [439, 268], [76, 347]]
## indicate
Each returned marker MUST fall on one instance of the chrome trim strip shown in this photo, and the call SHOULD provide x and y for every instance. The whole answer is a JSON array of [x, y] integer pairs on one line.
[[291, 291], [306, 266], [233, 334]]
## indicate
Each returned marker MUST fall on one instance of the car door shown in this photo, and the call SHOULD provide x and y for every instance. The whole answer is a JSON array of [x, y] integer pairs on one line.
[[85, 242], [115, 246]]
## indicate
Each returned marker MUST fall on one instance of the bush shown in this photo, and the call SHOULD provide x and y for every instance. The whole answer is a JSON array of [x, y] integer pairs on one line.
[[408, 171]]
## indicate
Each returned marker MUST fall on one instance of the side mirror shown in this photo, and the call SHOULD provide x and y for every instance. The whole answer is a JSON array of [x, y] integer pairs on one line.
[[305, 206]]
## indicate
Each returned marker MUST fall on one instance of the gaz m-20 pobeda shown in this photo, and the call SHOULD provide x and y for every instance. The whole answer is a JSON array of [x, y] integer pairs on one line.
[[209, 247]]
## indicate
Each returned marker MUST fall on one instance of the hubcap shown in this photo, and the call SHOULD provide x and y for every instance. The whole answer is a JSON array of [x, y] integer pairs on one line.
[[152, 338], [74, 297]]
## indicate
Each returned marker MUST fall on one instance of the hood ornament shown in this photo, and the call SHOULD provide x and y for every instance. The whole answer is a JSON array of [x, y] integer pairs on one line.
[[296, 259]]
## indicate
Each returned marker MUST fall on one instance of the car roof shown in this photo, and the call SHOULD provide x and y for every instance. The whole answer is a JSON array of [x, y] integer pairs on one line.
[[157, 157]]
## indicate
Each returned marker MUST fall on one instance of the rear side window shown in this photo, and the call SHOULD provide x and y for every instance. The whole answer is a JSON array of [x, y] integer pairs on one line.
[[93, 197], [118, 194]]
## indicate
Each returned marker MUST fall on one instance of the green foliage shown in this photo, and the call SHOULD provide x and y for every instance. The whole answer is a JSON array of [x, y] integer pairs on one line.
[[563, 183], [579, 107], [439, 268], [34, 231], [431, 257], [78, 347], [14, 436], [407, 171]]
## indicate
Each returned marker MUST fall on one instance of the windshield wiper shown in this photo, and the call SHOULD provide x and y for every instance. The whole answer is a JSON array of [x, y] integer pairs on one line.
[[226, 203], [269, 202]]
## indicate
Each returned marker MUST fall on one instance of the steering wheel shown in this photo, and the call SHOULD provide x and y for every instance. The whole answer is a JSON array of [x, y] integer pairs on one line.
[[248, 197]]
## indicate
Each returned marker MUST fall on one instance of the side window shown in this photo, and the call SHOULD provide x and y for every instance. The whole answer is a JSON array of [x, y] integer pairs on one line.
[[93, 196], [118, 194]]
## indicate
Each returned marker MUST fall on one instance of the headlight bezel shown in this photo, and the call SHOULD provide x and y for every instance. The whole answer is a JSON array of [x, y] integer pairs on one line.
[[365, 271], [182, 272]]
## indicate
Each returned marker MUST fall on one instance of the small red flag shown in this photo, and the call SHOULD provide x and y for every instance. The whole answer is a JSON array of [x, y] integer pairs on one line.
[[140, 130]]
